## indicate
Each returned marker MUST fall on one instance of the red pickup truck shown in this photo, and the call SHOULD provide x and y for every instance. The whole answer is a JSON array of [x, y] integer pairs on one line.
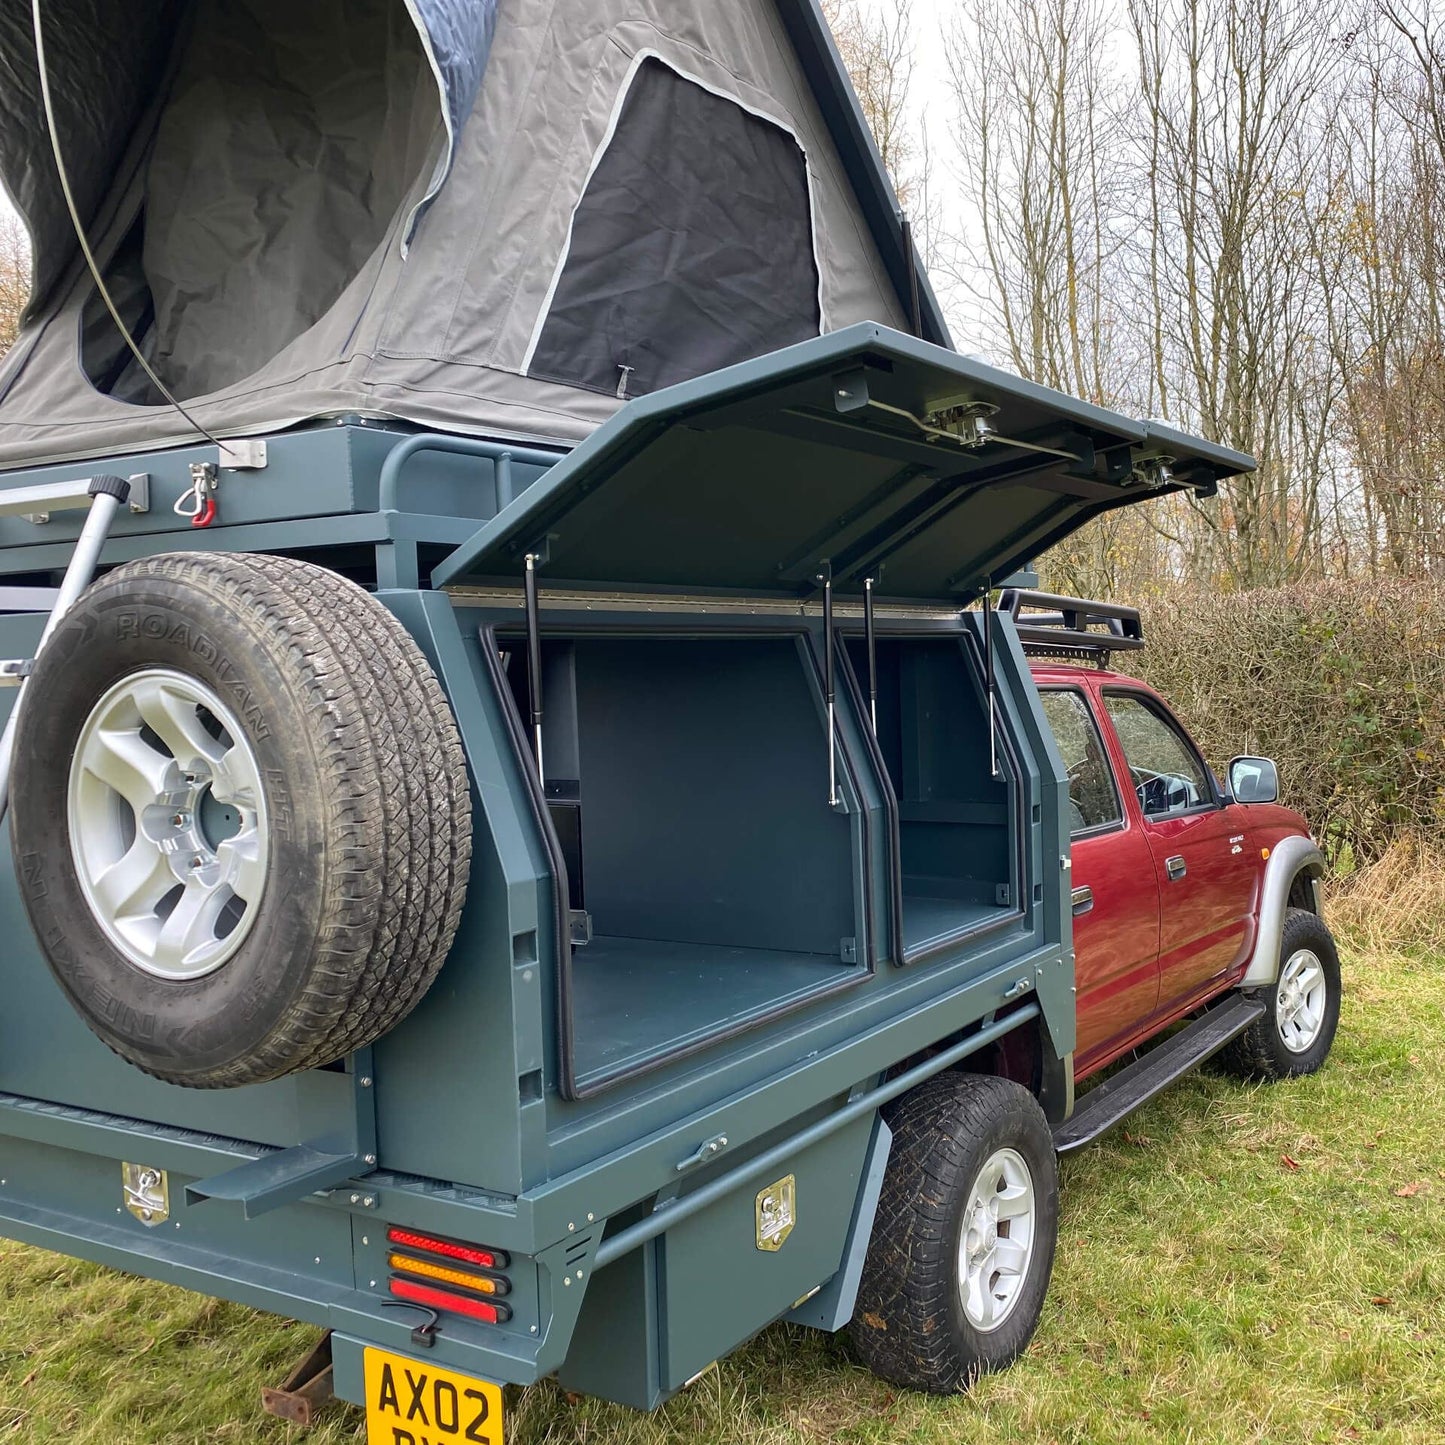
[[1168, 867], [1197, 934]]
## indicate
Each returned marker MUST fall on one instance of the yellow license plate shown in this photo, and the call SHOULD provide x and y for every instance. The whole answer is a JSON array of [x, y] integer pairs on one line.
[[409, 1402]]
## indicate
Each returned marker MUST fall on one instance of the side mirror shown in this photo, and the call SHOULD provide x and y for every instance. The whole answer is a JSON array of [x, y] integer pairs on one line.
[[1254, 780]]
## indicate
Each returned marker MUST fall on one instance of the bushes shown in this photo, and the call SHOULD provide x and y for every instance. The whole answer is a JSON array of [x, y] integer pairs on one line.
[[1342, 683], [1397, 902]]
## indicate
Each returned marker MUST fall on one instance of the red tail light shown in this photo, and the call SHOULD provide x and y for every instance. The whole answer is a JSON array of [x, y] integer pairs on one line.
[[492, 1312], [448, 1248]]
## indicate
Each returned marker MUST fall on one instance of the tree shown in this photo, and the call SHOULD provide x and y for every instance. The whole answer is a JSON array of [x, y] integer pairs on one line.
[[14, 277], [1233, 124], [1155, 224], [876, 44], [1388, 333], [1036, 148]]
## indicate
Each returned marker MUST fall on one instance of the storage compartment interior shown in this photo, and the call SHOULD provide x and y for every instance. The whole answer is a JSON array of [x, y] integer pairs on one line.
[[956, 825], [687, 781]]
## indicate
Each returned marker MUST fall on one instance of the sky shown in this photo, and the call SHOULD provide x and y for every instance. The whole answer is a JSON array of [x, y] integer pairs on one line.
[[931, 19]]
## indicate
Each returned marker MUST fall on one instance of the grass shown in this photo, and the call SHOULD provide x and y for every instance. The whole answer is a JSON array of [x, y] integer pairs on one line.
[[1242, 1264]]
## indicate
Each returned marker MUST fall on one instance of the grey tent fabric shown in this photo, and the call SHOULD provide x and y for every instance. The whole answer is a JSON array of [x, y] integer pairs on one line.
[[109, 63], [268, 163], [292, 136], [106, 360], [692, 247]]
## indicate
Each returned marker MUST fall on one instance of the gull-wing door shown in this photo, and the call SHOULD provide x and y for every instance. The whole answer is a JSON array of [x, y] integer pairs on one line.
[[863, 454]]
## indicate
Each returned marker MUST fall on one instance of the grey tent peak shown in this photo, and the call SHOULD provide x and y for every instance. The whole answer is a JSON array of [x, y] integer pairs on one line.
[[502, 217]]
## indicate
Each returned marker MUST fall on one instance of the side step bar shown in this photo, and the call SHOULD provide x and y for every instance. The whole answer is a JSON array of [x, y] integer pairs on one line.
[[1117, 1097]]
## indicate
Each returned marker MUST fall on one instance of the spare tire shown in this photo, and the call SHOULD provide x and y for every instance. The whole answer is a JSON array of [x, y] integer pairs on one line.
[[242, 823]]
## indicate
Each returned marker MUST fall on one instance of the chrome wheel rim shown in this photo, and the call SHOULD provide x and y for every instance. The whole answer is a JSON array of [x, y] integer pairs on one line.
[[1299, 1004], [996, 1242], [168, 825]]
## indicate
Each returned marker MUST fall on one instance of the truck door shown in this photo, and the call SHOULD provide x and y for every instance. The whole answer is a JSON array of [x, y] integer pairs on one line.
[[1204, 873], [1116, 897]]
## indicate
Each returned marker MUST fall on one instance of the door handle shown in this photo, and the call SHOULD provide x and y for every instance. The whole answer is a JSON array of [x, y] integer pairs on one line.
[[1083, 900], [1175, 868]]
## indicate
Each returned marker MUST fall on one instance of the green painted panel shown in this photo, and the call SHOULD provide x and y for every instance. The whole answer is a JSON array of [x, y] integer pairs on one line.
[[718, 1287], [655, 1318], [320, 473]]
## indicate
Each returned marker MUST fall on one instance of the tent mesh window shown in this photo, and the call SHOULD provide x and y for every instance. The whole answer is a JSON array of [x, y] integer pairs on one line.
[[691, 249]]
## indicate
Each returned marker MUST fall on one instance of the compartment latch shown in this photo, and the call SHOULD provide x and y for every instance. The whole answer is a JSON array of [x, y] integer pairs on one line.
[[147, 1193]]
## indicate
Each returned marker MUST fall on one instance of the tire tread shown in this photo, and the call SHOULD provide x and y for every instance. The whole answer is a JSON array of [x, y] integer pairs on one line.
[[901, 1325]]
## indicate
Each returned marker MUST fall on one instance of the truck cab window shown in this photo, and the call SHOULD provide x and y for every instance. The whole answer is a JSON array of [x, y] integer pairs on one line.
[[1168, 774], [1093, 803]]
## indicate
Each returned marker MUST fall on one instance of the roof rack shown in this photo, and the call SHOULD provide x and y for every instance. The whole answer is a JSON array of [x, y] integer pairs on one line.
[[1061, 626]]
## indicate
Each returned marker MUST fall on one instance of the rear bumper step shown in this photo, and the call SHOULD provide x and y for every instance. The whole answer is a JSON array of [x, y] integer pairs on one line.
[[1116, 1098]]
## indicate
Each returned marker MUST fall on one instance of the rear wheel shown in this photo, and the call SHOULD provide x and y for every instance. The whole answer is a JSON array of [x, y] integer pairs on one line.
[[1302, 1006], [963, 1243], [242, 819]]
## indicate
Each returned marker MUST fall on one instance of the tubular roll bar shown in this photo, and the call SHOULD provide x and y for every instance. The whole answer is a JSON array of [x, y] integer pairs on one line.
[[502, 455]]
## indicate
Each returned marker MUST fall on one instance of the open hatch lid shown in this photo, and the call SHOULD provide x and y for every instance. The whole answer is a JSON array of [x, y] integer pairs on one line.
[[864, 452]]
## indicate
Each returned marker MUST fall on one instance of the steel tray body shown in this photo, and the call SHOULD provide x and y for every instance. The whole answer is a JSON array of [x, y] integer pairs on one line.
[[624, 1110]]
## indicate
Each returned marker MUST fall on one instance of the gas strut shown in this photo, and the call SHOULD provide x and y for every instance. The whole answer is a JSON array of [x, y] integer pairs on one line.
[[988, 678], [872, 653], [534, 662], [829, 687]]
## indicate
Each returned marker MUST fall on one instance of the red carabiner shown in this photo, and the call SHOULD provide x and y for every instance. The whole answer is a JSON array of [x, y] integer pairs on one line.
[[206, 515]]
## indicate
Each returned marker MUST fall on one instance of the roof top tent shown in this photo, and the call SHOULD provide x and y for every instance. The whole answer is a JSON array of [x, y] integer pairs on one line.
[[487, 216]]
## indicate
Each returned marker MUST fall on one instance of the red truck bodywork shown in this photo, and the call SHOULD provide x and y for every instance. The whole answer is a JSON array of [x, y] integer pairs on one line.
[[1152, 947]]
